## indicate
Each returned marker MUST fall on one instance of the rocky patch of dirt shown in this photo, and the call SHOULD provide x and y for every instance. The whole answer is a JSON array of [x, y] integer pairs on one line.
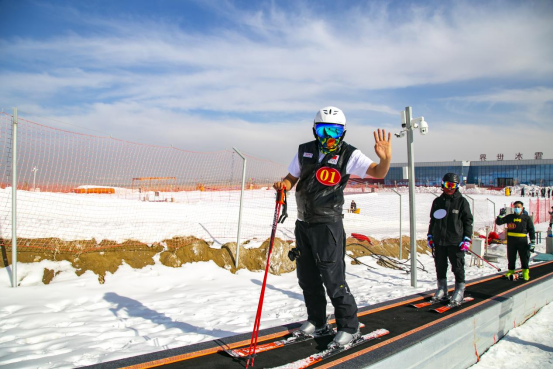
[[108, 256]]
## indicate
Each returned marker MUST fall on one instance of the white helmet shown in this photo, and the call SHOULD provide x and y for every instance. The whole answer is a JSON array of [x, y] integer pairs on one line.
[[330, 114]]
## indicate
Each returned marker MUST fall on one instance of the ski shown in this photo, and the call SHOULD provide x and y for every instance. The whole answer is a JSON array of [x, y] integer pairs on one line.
[[443, 309], [323, 355], [427, 303], [244, 351]]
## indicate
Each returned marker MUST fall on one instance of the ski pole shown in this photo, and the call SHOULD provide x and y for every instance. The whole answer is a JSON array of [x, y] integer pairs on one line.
[[280, 200], [484, 260]]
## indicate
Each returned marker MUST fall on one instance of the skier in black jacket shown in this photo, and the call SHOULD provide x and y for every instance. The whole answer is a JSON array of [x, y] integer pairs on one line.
[[449, 237], [321, 168], [518, 226]]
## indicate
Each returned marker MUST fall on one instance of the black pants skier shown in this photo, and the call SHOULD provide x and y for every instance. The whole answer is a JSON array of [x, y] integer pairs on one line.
[[322, 248], [517, 246], [456, 258]]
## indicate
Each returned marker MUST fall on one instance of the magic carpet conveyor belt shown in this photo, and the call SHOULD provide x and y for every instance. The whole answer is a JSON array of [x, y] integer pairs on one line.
[[407, 326]]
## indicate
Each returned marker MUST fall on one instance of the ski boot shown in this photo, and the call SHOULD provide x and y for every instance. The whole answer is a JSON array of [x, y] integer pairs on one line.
[[309, 329], [441, 293], [458, 294], [342, 339], [509, 275], [526, 274]]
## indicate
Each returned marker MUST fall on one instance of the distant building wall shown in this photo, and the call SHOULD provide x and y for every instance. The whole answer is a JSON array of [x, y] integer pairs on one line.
[[483, 173]]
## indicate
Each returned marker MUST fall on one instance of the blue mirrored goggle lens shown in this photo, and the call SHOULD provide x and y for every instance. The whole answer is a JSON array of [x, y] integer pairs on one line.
[[329, 130]]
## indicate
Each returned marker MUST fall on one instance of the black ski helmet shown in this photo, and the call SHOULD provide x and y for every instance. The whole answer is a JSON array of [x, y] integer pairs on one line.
[[451, 177]]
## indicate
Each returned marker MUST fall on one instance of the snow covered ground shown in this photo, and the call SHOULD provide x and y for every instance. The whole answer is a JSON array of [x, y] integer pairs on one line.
[[529, 346], [74, 321]]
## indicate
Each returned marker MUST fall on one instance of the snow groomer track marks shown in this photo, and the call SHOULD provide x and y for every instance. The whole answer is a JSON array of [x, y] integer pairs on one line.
[[408, 329]]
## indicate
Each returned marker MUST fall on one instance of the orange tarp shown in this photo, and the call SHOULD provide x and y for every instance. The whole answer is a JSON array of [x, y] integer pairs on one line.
[[95, 190]]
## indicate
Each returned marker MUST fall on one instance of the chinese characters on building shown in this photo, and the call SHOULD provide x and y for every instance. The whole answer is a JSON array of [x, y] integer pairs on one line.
[[518, 156]]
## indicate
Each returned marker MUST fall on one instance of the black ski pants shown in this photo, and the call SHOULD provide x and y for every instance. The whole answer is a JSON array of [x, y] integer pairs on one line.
[[321, 265], [517, 245], [456, 258]]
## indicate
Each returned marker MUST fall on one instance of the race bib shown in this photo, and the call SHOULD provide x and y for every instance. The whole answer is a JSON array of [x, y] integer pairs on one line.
[[328, 176]]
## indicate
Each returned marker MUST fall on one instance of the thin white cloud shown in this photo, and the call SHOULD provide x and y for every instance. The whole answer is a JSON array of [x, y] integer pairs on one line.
[[353, 51], [528, 105], [528, 96]]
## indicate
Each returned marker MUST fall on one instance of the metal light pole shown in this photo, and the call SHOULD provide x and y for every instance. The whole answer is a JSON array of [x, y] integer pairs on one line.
[[240, 211], [400, 226], [14, 199], [412, 208], [409, 124]]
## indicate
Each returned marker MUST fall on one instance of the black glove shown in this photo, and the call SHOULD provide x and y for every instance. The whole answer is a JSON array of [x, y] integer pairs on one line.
[[531, 247], [293, 254], [502, 212]]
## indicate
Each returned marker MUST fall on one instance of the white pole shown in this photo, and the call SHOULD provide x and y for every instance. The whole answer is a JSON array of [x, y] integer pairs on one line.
[[494, 226], [412, 208], [473, 209], [400, 226], [34, 170], [240, 211], [14, 199]]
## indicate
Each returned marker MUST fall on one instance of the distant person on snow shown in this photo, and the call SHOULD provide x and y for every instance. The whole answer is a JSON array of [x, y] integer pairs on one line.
[[551, 217], [449, 237], [321, 168], [522, 192], [352, 207], [518, 226]]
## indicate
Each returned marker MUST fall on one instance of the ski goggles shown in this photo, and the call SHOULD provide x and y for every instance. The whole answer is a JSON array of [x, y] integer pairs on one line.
[[450, 185], [329, 130]]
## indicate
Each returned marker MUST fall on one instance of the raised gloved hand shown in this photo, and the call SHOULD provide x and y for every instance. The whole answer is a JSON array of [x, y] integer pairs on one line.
[[531, 247], [465, 245], [430, 242], [502, 212]]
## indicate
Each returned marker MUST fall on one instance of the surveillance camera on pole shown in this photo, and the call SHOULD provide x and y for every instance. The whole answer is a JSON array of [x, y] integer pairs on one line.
[[421, 124]]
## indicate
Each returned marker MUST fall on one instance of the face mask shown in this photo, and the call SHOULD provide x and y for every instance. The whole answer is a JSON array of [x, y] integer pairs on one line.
[[518, 211], [328, 144]]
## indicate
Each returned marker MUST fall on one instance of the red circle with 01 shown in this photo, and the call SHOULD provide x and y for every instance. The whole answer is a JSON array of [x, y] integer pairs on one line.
[[328, 176]]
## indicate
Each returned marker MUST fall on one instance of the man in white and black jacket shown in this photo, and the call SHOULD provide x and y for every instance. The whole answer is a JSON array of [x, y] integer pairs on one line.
[[321, 169], [449, 236]]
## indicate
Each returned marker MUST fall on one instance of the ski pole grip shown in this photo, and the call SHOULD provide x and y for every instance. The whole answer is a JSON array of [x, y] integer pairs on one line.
[[281, 196]]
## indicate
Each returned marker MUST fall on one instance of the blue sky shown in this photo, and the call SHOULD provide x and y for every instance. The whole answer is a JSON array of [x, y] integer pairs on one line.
[[210, 75]]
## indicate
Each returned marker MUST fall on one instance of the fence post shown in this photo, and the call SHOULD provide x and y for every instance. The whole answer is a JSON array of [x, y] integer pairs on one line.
[[400, 225], [538, 209], [14, 199], [240, 211], [494, 225], [473, 212]]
